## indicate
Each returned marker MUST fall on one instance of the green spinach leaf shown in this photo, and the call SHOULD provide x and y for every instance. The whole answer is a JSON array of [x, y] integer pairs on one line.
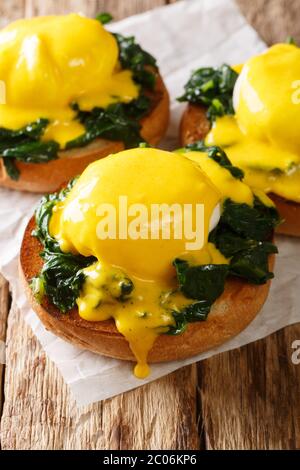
[[104, 17], [33, 131], [213, 88], [243, 235], [216, 154], [252, 264], [11, 169], [228, 242], [291, 40], [63, 277], [43, 214], [141, 63], [24, 145], [203, 282], [257, 222], [119, 121]]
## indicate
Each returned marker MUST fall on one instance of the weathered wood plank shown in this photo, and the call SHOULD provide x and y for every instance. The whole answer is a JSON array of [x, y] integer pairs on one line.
[[40, 413], [250, 397], [119, 9], [4, 307]]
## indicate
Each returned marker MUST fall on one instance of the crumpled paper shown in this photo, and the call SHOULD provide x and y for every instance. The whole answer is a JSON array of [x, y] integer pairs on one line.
[[182, 37]]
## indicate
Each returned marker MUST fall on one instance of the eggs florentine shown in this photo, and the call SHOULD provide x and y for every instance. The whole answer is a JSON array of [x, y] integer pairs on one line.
[[263, 136]]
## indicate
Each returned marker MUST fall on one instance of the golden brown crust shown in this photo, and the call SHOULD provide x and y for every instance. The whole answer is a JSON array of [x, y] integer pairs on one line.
[[47, 177], [231, 313], [195, 125]]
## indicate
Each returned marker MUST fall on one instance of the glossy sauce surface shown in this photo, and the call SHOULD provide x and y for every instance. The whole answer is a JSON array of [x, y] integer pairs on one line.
[[145, 176], [263, 136], [48, 63]]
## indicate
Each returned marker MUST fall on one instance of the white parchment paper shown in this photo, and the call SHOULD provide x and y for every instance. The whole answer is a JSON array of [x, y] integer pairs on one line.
[[182, 37]]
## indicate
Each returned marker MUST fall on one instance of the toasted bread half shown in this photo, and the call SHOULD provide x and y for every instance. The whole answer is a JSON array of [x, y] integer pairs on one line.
[[47, 177], [230, 314], [195, 126]]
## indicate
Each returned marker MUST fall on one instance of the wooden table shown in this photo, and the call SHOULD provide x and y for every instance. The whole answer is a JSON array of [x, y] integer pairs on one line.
[[243, 399]]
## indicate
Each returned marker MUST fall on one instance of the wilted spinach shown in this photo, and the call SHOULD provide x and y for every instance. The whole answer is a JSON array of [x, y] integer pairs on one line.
[[213, 88], [119, 121], [61, 277], [104, 17]]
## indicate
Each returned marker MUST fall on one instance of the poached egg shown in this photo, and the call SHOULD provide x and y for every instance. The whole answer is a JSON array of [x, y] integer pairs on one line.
[[146, 176]]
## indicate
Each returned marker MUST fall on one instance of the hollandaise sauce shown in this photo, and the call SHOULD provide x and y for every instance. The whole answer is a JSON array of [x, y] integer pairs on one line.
[[133, 279], [263, 136], [49, 63]]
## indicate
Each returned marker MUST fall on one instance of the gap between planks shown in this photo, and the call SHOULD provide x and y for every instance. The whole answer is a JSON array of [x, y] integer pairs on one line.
[[40, 412]]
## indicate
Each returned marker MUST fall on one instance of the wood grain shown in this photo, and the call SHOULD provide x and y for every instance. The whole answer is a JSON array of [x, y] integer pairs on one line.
[[244, 399], [250, 397]]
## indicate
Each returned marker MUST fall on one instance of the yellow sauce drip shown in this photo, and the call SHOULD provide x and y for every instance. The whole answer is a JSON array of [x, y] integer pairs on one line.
[[229, 186], [48, 63], [263, 138]]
